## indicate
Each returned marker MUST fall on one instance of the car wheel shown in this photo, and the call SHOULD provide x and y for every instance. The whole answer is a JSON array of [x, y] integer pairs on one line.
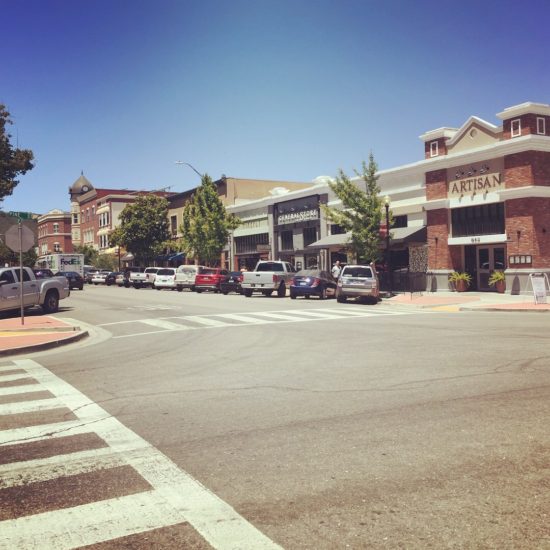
[[179, 289], [247, 293], [341, 299], [51, 302], [281, 291], [225, 293], [198, 290], [292, 296]]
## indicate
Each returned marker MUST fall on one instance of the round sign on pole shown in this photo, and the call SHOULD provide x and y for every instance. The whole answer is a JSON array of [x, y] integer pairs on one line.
[[16, 243]]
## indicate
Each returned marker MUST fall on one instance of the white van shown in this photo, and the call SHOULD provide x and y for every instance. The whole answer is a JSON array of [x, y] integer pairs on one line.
[[185, 276]]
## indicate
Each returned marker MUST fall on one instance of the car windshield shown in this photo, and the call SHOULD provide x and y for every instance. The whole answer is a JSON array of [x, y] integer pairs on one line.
[[270, 266], [209, 272], [166, 272], [365, 272]]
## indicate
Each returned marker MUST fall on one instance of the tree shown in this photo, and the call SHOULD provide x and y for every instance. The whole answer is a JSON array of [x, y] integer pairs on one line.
[[206, 224], [361, 211], [12, 161], [9, 257], [90, 253], [143, 228]]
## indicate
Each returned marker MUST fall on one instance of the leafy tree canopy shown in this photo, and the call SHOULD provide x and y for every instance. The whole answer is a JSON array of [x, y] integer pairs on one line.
[[361, 211], [90, 254], [11, 258], [13, 162], [143, 228], [206, 224]]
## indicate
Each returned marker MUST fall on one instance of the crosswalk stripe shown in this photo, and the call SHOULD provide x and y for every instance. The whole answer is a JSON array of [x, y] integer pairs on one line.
[[12, 390], [281, 316], [161, 323], [243, 318], [30, 406], [176, 497], [207, 321], [12, 377]]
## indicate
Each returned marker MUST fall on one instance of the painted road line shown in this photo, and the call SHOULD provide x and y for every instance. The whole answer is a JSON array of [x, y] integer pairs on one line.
[[247, 319], [206, 321], [25, 388], [13, 377], [161, 323], [30, 406], [176, 497], [281, 316]]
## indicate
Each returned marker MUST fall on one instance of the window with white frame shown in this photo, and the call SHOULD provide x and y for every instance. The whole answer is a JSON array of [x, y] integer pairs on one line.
[[56, 228], [434, 149], [75, 218], [541, 125], [516, 127], [56, 247]]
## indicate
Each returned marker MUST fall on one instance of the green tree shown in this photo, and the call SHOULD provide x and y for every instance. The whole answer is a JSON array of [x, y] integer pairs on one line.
[[12, 161], [90, 254], [9, 257], [361, 211], [206, 224], [143, 228]]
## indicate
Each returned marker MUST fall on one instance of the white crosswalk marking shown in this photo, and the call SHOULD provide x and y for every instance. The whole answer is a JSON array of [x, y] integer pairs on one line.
[[175, 497], [225, 320]]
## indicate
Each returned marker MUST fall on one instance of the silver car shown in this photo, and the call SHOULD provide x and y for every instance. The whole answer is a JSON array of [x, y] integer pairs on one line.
[[358, 281]]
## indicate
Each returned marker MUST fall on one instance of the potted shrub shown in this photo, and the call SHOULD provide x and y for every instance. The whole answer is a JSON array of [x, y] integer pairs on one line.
[[460, 280], [498, 280]]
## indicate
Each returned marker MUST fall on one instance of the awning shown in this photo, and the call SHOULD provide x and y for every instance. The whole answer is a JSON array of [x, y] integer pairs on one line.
[[332, 241], [399, 235], [127, 257], [176, 257], [414, 234]]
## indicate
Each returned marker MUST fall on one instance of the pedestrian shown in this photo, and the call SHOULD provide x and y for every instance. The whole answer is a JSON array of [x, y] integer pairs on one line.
[[336, 269]]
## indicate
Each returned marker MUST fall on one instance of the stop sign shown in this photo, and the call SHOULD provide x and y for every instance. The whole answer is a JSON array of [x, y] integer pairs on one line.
[[19, 243]]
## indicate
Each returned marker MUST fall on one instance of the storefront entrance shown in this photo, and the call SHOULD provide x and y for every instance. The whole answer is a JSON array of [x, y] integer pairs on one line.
[[489, 259]]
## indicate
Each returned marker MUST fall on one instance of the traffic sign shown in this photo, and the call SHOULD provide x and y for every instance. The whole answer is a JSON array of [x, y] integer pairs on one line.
[[19, 241]]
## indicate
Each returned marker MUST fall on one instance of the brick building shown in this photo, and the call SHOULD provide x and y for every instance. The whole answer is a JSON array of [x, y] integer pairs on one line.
[[54, 233], [488, 198]]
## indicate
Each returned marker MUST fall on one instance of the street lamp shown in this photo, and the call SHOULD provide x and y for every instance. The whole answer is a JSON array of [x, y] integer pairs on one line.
[[190, 166], [388, 263]]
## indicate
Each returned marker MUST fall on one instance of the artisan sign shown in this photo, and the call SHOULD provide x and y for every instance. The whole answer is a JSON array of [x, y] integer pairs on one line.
[[478, 184], [300, 216]]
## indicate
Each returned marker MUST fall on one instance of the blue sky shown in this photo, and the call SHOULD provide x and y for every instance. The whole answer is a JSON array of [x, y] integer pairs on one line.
[[286, 89]]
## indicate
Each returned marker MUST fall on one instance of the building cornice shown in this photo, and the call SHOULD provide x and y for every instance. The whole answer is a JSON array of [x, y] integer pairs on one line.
[[528, 108]]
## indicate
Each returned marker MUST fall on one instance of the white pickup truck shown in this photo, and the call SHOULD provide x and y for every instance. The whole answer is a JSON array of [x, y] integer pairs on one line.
[[268, 277], [36, 292], [143, 278]]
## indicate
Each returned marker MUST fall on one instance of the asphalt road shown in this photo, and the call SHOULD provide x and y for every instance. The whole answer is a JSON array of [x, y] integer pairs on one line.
[[267, 422]]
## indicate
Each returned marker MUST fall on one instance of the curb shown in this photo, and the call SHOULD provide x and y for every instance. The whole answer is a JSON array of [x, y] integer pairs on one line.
[[507, 310], [31, 348]]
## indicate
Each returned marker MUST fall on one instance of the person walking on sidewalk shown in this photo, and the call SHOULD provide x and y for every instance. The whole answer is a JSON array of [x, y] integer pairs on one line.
[[336, 268]]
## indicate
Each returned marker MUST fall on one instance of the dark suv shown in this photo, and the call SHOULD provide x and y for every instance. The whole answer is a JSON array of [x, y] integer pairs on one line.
[[75, 279]]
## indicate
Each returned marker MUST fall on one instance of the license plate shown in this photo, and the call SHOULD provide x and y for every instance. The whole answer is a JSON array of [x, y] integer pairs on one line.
[[303, 283]]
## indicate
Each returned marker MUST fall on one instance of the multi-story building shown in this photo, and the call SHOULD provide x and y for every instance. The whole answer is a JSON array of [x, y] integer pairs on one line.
[[479, 201], [54, 233], [95, 213]]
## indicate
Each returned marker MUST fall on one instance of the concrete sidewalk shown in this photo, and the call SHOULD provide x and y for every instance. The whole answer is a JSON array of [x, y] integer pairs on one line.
[[468, 301], [38, 332]]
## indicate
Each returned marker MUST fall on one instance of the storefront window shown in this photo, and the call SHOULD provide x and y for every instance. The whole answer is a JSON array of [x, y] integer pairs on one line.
[[487, 219], [287, 241]]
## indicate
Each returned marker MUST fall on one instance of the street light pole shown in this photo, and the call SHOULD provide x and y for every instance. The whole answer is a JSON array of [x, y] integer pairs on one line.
[[190, 166], [388, 256]]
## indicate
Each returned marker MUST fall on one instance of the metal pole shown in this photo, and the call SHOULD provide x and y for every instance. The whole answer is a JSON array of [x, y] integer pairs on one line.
[[20, 230], [190, 166], [388, 262]]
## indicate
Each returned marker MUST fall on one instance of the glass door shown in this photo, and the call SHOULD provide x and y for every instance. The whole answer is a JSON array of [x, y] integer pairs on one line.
[[489, 259]]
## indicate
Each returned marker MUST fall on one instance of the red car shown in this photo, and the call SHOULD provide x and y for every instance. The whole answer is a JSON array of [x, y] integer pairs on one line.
[[210, 278]]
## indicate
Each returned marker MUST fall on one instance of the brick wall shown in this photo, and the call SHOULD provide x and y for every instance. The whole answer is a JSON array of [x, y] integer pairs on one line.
[[528, 125], [528, 230], [527, 168], [436, 185], [439, 256], [441, 144]]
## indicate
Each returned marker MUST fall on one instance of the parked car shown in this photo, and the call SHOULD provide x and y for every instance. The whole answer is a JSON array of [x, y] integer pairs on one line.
[[75, 279], [165, 278], [43, 273], [268, 277], [123, 279], [110, 279], [358, 281], [232, 283], [312, 282], [143, 278], [89, 275], [210, 279], [99, 277], [185, 276]]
